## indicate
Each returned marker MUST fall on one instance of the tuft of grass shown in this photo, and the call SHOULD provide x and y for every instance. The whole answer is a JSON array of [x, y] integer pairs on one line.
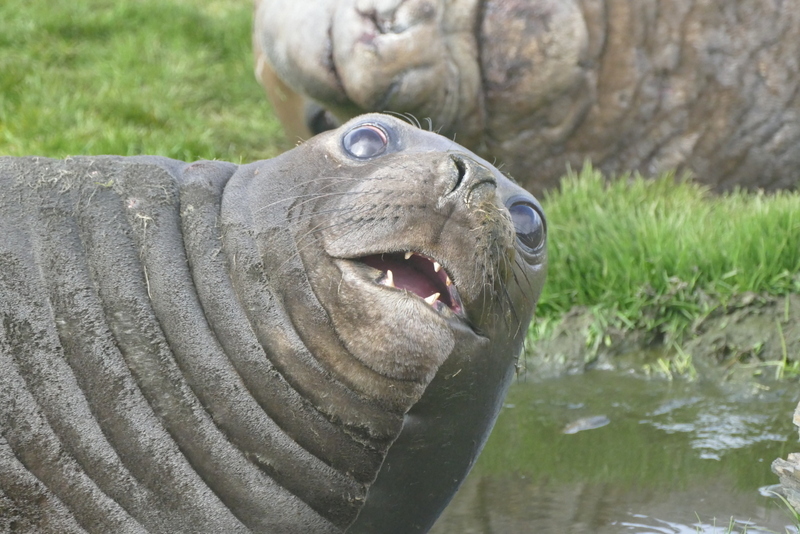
[[792, 513], [680, 364], [733, 525], [729, 529], [659, 254]]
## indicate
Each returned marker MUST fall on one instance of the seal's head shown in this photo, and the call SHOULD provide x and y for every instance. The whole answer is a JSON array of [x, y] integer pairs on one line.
[[410, 269], [478, 70]]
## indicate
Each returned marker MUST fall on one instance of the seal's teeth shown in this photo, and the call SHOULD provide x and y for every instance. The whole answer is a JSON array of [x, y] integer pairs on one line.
[[436, 267], [409, 254], [432, 299], [447, 281], [388, 280]]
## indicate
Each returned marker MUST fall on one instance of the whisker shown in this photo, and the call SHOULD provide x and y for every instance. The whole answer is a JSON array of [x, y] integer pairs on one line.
[[328, 178], [348, 233], [405, 117], [381, 194], [485, 276], [326, 195], [313, 196], [511, 307], [320, 226], [310, 243], [299, 248], [504, 285], [414, 119], [306, 216], [336, 180], [524, 271]]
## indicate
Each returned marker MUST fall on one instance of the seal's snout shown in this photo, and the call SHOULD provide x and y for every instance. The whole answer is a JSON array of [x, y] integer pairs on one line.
[[390, 54], [395, 16]]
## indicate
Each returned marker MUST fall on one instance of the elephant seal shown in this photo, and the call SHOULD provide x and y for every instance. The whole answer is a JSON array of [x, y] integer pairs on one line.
[[712, 87], [317, 343]]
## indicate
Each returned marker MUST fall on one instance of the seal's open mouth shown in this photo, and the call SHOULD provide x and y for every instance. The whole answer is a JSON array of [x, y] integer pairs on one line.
[[417, 274]]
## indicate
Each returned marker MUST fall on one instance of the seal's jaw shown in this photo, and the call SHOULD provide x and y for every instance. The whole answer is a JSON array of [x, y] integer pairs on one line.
[[416, 273], [414, 337]]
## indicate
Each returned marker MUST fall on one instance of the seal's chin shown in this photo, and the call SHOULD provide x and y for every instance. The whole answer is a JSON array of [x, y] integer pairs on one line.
[[418, 274]]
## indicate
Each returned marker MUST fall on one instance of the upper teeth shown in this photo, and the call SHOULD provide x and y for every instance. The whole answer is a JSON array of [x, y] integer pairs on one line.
[[388, 279]]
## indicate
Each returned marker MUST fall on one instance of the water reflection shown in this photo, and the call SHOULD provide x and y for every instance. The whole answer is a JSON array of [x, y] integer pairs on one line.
[[715, 428], [667, 458]]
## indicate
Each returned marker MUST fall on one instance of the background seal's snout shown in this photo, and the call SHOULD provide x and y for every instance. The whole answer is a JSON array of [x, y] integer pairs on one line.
[[395, 16]]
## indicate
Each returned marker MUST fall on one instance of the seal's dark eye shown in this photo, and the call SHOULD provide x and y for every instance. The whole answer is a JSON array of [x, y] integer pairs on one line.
[[528, 224], [365, 141]]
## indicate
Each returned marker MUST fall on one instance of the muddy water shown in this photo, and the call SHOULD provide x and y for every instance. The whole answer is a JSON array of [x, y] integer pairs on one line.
[[613, 453]]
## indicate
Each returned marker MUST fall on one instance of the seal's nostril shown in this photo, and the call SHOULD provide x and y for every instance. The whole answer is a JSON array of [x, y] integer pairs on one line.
[[462, 171], [396, 16], [470, 175], [381, 21]]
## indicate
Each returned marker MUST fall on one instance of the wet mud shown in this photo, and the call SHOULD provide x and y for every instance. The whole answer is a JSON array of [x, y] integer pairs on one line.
[[747, 337]]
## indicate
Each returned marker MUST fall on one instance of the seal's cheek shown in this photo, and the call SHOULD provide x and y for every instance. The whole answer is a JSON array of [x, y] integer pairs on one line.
[[409, 339]]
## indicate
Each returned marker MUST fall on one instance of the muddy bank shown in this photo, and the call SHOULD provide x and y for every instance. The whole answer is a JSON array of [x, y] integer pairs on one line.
[[750, 335]]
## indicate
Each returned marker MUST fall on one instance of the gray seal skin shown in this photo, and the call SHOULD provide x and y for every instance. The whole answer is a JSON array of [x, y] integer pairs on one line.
[[709, 86], [208, 347]]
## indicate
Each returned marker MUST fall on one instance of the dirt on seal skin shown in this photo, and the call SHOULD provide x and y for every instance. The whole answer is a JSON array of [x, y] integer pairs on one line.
[[750, 336]]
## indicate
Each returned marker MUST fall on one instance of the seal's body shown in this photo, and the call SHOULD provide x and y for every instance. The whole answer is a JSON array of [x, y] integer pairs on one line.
[[317, 343], [710, 86]]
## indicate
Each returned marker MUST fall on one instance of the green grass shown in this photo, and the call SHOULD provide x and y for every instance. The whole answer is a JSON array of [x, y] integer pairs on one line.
[[174, 78], [634, 237], [167, 77], [654, 255]]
